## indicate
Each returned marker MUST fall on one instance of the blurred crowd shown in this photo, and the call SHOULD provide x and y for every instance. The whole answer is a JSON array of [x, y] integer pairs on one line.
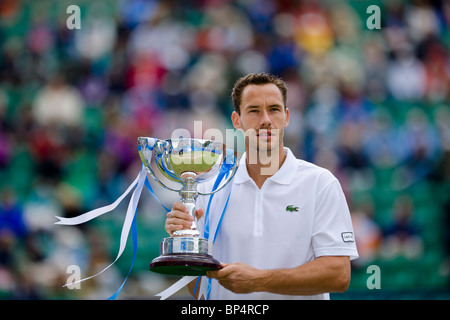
[[371, 105]]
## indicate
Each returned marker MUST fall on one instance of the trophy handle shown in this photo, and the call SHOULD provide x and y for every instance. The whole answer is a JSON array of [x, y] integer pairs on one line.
[[230, 154]]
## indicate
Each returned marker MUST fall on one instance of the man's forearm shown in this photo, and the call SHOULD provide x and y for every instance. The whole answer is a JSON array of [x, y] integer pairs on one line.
[[324, 274]]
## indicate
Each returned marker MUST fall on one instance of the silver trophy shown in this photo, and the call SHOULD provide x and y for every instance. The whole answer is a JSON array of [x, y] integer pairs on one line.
[[180, 165]]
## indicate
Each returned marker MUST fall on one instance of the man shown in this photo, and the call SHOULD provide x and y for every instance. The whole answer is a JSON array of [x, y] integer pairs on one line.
[[286, 232]]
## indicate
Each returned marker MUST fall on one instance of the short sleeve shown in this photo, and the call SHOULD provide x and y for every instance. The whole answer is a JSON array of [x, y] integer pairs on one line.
[[332, 229]]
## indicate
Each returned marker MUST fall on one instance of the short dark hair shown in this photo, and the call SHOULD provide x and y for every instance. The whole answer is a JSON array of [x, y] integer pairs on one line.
[[257, 79]]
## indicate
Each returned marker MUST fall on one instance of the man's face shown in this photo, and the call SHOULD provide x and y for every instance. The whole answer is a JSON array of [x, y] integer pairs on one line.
[[263, 117]]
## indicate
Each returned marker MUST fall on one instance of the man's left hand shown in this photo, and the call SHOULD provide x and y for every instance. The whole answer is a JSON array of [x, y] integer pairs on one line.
[[238, 277]]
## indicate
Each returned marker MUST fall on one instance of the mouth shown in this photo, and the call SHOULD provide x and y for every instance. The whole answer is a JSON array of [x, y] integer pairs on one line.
[[265, 133]]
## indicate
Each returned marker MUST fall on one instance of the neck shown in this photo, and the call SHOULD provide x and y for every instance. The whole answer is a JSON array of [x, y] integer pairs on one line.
[[263, 165]]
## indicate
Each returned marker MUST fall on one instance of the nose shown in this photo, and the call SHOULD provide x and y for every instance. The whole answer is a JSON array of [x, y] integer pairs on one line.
[[265, 118]]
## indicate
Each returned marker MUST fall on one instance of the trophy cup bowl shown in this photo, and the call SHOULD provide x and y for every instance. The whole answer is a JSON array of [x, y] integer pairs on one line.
[[180, 165]]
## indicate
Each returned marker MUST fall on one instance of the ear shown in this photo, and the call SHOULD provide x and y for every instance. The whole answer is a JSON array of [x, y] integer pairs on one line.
[[236, 119], [286, 121]]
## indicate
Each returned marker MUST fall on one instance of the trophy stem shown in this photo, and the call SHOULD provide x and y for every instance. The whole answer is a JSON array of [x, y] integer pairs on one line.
[[189, 195]]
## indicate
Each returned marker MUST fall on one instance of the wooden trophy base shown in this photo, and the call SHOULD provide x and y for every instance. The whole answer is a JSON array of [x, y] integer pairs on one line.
[[184, 264]]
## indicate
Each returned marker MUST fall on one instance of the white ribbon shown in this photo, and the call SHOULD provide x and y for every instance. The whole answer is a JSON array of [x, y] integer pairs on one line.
[[139, 184], [96, 212], [203, 291], [140, 180], [176, 287]]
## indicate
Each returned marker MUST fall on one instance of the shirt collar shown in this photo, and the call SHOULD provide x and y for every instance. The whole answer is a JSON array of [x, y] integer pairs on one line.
[[284, 175]]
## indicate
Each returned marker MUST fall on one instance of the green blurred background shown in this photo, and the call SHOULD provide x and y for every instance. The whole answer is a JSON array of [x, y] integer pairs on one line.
[[371, 105]]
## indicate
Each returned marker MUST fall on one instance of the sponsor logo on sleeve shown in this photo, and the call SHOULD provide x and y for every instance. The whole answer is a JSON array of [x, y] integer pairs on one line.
[[347, 237]]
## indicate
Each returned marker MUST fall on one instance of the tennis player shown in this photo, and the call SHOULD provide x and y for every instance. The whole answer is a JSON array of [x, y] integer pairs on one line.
[[286, 232]]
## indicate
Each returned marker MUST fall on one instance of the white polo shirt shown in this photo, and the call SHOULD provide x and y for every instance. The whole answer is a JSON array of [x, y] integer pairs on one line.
[[299, 214]]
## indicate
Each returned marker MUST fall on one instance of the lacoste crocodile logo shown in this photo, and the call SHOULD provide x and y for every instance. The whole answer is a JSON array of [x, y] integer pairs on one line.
[[291, 208]]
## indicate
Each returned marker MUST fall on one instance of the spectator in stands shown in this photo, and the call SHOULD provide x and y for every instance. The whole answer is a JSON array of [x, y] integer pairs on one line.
[[403, 236]]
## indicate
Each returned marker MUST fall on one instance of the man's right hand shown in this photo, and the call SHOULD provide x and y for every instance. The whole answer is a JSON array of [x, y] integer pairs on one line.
[[179, 218]]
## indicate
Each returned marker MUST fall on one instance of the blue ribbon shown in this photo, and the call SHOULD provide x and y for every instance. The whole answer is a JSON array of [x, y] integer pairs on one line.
[[224, 172], [149, 188], [214, 240], [195, 289]]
